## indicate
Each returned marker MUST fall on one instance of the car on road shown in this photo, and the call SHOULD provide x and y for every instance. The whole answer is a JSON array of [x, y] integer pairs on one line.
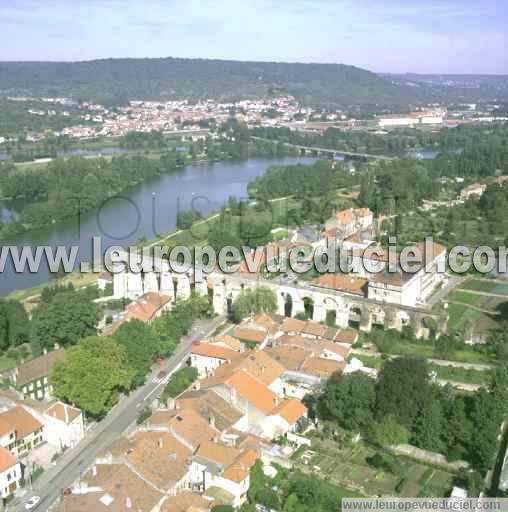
[[32, 502]]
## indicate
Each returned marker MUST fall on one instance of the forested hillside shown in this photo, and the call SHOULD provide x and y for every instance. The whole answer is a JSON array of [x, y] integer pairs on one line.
[[113, 81]]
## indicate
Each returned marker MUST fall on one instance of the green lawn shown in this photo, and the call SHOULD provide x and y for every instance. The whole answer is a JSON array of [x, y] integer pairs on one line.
[[370, 361], [486, 286], [482, 322], [465, 298], [460, 374], [458, 314], [427, 351]]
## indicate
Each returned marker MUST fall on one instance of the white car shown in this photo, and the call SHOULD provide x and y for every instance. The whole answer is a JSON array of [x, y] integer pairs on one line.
[[32, 502]]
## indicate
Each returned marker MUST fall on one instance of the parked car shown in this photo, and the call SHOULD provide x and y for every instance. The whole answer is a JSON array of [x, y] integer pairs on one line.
[[32, 502]]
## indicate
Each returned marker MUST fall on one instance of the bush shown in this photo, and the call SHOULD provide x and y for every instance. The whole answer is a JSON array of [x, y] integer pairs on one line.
[[385, 462], [143, 415], [389, 432], [179, 382]]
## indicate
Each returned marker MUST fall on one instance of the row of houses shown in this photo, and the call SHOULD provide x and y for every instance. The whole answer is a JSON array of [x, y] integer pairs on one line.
[[197, 450], [23, 429]]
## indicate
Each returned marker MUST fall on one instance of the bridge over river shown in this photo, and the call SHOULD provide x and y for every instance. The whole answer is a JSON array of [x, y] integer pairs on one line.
[[331, 152]]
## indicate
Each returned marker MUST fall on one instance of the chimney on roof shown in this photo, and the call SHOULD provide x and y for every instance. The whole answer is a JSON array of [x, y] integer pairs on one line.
[[160, 443], [128, 502]]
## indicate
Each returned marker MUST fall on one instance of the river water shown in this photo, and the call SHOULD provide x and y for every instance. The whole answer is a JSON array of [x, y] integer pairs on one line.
[[146, 210]]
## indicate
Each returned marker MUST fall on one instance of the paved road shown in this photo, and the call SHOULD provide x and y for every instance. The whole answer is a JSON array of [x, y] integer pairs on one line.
[[50, 485]]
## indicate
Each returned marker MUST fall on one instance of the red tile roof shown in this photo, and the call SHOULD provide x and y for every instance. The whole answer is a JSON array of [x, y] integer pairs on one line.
[[213, 351], [253, 390], [21, 420], [7, 460], [291, 410]]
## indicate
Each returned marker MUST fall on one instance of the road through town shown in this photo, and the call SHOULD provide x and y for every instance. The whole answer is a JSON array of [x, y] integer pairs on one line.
[[50, 485]]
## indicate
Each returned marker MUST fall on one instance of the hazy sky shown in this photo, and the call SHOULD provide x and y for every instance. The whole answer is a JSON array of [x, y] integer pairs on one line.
[[426, 36]]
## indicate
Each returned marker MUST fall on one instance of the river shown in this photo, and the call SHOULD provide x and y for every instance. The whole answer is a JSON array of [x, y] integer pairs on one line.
[[146, 210]]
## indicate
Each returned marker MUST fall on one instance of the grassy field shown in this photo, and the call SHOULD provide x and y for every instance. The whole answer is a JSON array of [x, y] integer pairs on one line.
[[486, 302], [443, 372], [427, 351], [370, 361], [481, 285], [349, 466], [460, 374], [459, 314], [76, 278], [465, 298]]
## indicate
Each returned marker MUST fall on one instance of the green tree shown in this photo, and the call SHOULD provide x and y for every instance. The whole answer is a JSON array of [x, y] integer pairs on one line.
[[389, 431], [260, 299], [14, 324], [429, 426], [179, 382], [67, 318], [403, 389], [486, 421], [293, 504], [219, 237], [92, 375], [185, 218], [350, 399], [458, 429], [141, 347], [498, 387]]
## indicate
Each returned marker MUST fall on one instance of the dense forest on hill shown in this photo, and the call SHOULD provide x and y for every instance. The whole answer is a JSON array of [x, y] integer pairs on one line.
[[113, 81]]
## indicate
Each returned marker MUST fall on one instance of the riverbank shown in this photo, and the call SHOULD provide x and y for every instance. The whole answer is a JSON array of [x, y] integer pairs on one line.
[[79, 279], [145, 212]]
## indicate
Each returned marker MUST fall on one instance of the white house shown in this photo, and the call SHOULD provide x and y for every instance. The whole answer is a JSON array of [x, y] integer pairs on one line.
[[285, 417], [225, 467], [10, 473], [29, 431], [248, 394], [207, 357], [64, 425]]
